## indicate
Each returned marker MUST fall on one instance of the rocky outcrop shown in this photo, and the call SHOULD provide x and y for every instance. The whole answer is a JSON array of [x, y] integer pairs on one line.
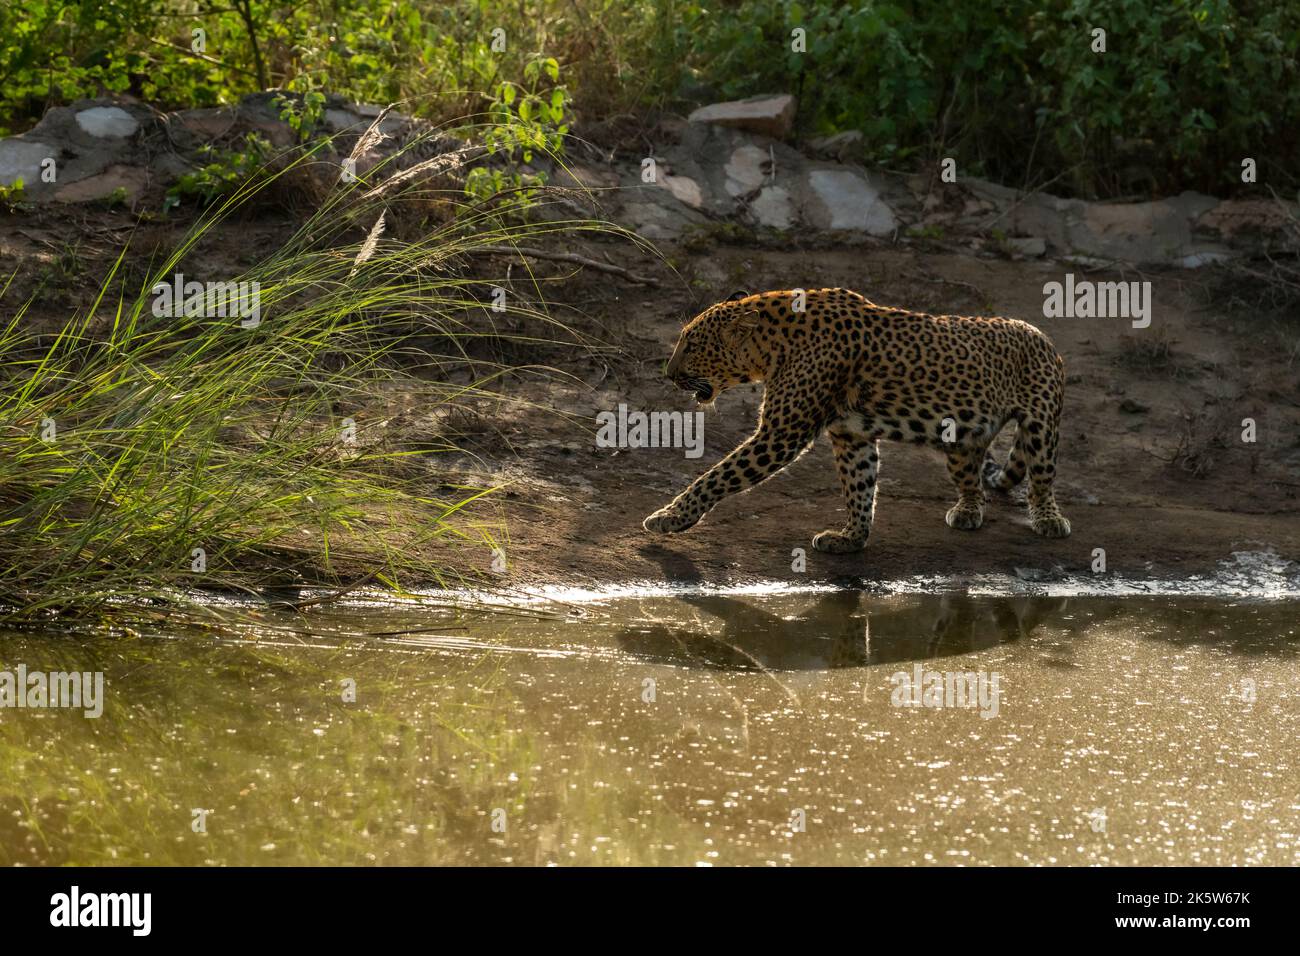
[[78, 152], [708, 172], [1163, 231], [97, 149], [726, 163], [714, 172]]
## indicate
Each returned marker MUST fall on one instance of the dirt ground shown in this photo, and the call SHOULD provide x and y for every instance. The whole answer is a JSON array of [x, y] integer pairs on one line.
[[1152, 464]]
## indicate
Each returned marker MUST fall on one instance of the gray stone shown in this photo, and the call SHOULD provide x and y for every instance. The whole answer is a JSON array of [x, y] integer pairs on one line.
[[357, 117], [168, 167], [206, 124], [338, 120], [579, 176], [585, 190], [850, 202], [1145, 232], [130, 179], [774, 208], [766, 115], [1252, 224], [727, 163], [1035, 214], [652, 212], [1030, 247], [21, 159], [107, 121], [1158, 232]]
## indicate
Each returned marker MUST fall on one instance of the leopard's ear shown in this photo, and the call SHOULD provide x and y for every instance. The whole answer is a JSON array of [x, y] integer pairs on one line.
[[737, 295], [742, 327]]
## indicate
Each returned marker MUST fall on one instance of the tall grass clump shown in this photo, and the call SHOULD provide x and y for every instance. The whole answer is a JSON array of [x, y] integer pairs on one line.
[[145, 456]]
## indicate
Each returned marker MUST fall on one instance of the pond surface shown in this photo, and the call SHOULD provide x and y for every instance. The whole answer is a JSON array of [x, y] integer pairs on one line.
[[691, 728]]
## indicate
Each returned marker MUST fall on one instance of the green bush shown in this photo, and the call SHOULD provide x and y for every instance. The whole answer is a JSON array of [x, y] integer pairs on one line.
[[1009, 88], [1013, 89], [436, 54], [225, 173]]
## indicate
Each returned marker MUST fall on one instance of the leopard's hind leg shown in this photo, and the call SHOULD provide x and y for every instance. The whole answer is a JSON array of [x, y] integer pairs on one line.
[[1005, 477], [1040, 434], [856, 459]]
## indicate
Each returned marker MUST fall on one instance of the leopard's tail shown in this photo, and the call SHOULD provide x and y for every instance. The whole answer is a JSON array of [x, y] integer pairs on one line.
[[1005, 477]]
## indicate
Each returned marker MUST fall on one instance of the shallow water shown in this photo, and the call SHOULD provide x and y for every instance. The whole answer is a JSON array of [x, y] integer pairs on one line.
[[687, 728]]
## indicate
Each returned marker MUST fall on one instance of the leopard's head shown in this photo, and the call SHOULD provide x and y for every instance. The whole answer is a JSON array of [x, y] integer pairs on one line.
[[712, 354]]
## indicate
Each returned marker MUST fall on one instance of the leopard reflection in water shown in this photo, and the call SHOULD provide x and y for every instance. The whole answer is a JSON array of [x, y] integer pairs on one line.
[[842, 628]]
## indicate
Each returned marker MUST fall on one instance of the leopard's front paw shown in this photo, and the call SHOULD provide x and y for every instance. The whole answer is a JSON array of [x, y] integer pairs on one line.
[[964, 517], [668, 521], [1050, 525], [838, 542]]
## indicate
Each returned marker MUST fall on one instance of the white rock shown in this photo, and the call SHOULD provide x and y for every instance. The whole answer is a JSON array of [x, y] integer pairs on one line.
[[746, 170], [774, 208], [852, 202], [684, 189], [107, 121]]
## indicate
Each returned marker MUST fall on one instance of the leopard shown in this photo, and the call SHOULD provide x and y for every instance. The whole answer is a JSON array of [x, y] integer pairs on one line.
[[832, 362]]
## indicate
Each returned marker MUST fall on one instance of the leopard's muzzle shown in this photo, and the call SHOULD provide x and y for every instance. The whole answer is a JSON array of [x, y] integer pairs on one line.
[[701, 387]]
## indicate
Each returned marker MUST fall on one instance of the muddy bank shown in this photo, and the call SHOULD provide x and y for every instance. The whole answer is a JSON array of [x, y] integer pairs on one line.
[[1152, 462], [1153, 468]]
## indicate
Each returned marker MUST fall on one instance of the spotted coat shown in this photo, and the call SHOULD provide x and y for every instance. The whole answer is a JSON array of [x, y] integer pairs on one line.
[[864, 373]]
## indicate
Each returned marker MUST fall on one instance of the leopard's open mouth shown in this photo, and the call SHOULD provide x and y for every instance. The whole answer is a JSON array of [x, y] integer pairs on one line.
[[702, 388]]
